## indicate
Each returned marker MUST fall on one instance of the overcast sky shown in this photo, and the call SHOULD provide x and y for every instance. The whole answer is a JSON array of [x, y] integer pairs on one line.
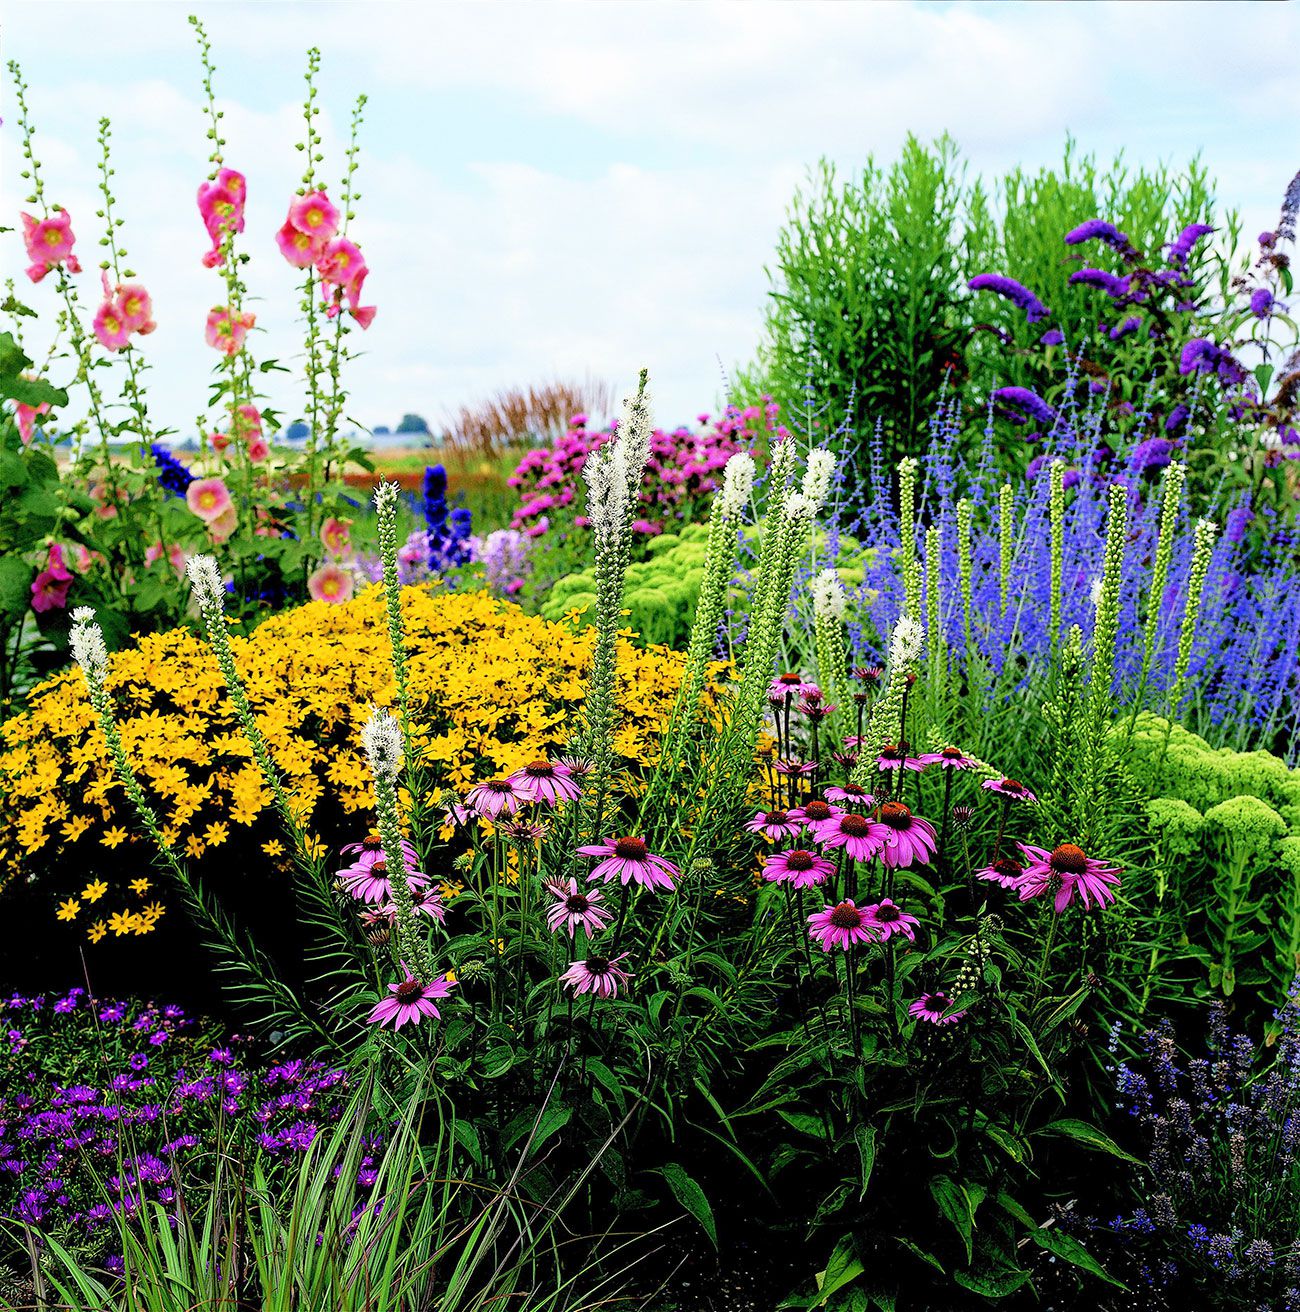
[[563, 189]]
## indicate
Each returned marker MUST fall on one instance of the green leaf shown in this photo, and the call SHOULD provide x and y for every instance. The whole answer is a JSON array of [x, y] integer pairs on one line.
[[921, 1253], [691, 1197], [955, 1204], [1071, 1250], [1011, 1144], [805, 1123], [15, 587], [995, 1282], [1089, 1136], [13, 469], [865, 1135]]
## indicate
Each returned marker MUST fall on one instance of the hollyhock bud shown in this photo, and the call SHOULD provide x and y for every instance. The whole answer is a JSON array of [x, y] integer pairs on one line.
[[26, 416]]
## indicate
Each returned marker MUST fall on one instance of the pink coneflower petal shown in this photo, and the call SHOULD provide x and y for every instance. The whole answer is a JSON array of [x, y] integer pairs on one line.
[[908, 840], [599, 975], [411, 1001], [854, 796], [544, 782], [1003, 871], [490, 799], [890, 919], [950, 758], [629, 860], [860, 837], [895, 757], [774, 824], [573, 908], [932, 1007], [1009, 788], [1064, 871], [797, 867]]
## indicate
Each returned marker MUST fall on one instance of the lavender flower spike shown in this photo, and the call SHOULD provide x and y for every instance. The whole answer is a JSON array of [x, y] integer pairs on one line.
[[1000, 285]]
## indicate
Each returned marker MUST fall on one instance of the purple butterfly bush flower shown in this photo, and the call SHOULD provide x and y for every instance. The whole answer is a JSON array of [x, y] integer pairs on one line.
[[1181, 247], [1261, 302], [1112, 284], [1021, 398], [1008, 288], [1099, 230], [1129, 326], [1153, 454]]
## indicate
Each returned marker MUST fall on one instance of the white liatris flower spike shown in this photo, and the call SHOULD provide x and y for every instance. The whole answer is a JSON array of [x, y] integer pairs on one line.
[[83, 615], [381, 736], [386, 497], [906, 643], [737, 486], [817, 477], [634, 434], [799, 507], [88, 650], [205, 579], [606, 476], [828, 596], [1094, 592]]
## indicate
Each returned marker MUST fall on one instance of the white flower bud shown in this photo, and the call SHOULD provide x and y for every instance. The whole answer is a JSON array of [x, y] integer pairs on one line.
[[634, 437], [205, 579], [828, 597], [907, 642], [606, 477], [737, 486], [381, 736]]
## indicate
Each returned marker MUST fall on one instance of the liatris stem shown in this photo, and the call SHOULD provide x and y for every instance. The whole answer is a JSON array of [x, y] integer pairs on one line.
[[942, 856], [965, 516], [907, 537], [1202, 553], [1002, 827], [1006, 532], [386, 495], [1056, 514]]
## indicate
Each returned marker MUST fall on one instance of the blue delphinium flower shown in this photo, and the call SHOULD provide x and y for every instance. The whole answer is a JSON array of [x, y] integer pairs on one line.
[[172, 474]]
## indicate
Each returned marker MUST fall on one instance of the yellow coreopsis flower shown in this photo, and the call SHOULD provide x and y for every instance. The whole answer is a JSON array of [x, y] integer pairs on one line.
[[140, 886], [113, 837], [68, 910], [97, 931], [94, 890]]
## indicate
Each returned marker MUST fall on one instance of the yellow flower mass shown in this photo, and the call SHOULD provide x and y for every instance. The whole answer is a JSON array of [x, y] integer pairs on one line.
[[491, 689]]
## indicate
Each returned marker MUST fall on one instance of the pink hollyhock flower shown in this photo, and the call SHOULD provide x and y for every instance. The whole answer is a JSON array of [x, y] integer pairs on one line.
[[933, 1007], [543, 782], [258, 449], [342, 264], [573, 908], [208, 498], [629, 859], [890, 920], [842, 926], [364, 315], [221, 206], [315, 215], [248, 421], [175, 555], [1064, 871], [861, 838], [411, 1000], [226, 331], [797, 867], [493, 797], [909, 840], [774, 824], [297, 247], [49, 244], [223, 527], [335, 535], [599, 975], [219, 441], [50, 586], [135, 306], [330, 583], [109, 325], [26, 416]]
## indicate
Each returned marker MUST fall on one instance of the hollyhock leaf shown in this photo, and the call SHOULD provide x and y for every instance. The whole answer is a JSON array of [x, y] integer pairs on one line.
[[33, 391], [1088, 1135], [692, 1198]]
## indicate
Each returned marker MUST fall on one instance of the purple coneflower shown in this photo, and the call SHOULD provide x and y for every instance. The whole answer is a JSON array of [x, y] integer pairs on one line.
[[932, 1006], [1003, 871], [815, 813], [845, 760], [599, 975], [795, 769], [490, 799], [540, 781], [858, 836], [424, 902], [572, 908], [814, 708], [371, 883], [629, 859], [1066, 870], [850, 794], [411, 1000], [775, 824], [890, 919], [908, 840], [578, 766], [797, 867], [786, 686], [370, 850], [841, 926], [894, 756], [950, 758], [1009, 788]]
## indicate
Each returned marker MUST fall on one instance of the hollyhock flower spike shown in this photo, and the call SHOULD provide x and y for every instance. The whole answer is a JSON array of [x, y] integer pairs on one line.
[[601, 976], [1009, 788], [1066, 870], [950, 758], [315, 215], [1004, 871], [890, 919], [572, 908], [330, 582], [411, 1001], [774, 824], [135, 305], [797, 867], [546, 783], [859, 837], [842, 926], [908, 840], [493, 798], [49, 244], [933, 1007], [630, 860], [297, 246]]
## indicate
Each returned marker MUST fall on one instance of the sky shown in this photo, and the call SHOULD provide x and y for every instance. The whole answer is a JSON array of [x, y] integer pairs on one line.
[[578, 188]]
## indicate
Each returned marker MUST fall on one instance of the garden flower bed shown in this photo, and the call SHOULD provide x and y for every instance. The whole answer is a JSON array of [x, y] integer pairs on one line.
[[750, 872]]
